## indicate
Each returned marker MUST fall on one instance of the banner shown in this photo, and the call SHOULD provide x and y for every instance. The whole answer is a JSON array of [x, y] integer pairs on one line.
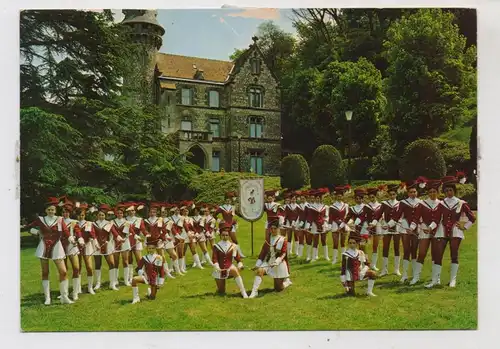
[[252, 198]]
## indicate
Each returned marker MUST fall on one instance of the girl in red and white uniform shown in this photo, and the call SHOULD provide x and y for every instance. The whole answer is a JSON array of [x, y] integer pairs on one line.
[[72, 246], [106, 234], [457, 217], [299, 230], [337, 212], [291, 221], [355, 266], [272, 210], [150, 271], [156, 231], [51, 229], [209, 225], [86, 251], [375, 228], [189, 235], [430, 218], [222, 260], [180, 237], [358, 216], [388, 216], [122, 249], [229, 217], [199, 230], [410, 219], [272, 261], [318, 225], [136, 236], [170, 242], [308, 214]]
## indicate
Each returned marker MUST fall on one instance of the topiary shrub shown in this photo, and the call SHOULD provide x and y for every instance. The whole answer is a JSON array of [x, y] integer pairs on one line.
[[326, 168], [455, 153], [422, 158], [359, 168], [294, 172]]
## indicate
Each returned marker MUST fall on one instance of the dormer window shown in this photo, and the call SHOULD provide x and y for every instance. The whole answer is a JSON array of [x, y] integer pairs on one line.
[[255, 63]]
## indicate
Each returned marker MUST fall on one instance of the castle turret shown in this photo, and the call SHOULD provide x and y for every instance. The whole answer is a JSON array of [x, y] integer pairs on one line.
[[147, 32]]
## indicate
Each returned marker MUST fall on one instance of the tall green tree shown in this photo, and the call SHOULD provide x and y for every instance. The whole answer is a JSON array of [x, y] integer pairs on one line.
[[431, 77]]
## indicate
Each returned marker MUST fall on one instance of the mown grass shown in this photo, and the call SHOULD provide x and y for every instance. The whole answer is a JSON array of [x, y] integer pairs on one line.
[[461, 134], [313, 302]]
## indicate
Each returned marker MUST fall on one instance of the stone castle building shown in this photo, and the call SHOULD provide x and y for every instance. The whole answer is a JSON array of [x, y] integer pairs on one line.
[[226, 114]]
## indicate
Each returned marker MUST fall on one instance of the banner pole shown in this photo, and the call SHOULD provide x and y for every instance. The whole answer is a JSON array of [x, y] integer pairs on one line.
[[251, 227]]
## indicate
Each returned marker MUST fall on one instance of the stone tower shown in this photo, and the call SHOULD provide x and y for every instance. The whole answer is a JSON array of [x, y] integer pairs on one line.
[[147, 33]]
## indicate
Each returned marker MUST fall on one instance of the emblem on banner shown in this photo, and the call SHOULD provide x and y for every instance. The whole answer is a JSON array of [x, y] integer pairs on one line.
[[251, 198]]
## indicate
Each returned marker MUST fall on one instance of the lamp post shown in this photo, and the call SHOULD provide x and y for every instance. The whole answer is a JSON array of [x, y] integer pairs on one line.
[[239, 153], [348, 116]]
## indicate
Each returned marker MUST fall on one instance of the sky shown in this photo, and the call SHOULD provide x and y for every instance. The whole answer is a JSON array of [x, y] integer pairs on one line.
[[214, 33]]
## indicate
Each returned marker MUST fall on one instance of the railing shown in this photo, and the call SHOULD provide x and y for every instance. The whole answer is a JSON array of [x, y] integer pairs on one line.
[[195, 136]]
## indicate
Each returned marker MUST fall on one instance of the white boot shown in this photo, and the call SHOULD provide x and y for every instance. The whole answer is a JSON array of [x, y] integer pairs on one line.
[[117, 276], [289, 248], [130, 273], [369, 291], [453, 274], [287, 282], [75, 289], [343, 249], [240, 252], [300, 251], [97, 280], [335, 254], [63, 288], [183, 264], [177, 268], [112, 280], [325, 252], [406, 264], [135, 295], [374, 261], [239, 282], [436, 270], [255, 289], [385, 265], [167, 271], [208, 259], [90, 284], [148, 293], [314, 254], [126, 271], [197, 261], [296, 245], [79, 283], [416, 273], [46, 291], [396, 265], [413, 266], [309, 252]]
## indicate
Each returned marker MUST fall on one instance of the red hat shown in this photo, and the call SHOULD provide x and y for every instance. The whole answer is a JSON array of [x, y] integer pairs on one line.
[[272, 192], [355, 236], [52, 201], [449, 180], [340, 190], [150, 241], [392, 187], [411, 184], [421, 182], [372, 191], [225, 226], [104, 208], [155, 204], [433, 184], [273, 223], [461, 177], [359, 192]]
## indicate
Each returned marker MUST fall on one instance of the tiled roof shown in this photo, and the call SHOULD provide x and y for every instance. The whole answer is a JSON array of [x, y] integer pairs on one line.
[[185, 67], [167, 85]]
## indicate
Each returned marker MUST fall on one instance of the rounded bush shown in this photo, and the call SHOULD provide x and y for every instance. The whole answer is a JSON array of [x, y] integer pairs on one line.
[[294, 172], [422, 158], [326, 168]]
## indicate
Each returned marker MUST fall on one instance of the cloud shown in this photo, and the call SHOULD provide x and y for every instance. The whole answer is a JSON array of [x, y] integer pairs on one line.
[[259, 13]]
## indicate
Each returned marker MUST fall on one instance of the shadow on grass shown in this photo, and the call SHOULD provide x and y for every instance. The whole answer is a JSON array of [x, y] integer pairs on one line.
[[29, 242], [342, 296], [37, 299], [213, 295]]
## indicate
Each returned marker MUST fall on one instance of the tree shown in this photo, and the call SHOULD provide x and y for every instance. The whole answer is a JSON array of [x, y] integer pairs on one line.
[[46, 162], [422, 158], [431, 77], [294, 172], [473, 153], [326, 167], [348, 86]]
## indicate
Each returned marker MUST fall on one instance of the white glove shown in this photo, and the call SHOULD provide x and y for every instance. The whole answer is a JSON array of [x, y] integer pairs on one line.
[[374, 223], [307, 225], [278, 261], [137, 237], [120, 239], [432, 226], [161, 281], [357, 221], [342, 225], [71, 239], [217, 267], [34, 231], [281, 220], [95, 243], [240, 265], [81, 241], [258, 263], [391, 223], [413, 225], [342, 278], [140, 272], [467, 225]]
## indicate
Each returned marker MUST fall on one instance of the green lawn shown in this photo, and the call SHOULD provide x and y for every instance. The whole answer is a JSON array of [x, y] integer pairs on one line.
[[313, 302]]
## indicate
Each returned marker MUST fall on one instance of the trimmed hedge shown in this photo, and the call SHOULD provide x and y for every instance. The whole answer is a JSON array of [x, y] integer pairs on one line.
[[294, 172], [326, 168], [359, 168], [422, 158], [456, 155]]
